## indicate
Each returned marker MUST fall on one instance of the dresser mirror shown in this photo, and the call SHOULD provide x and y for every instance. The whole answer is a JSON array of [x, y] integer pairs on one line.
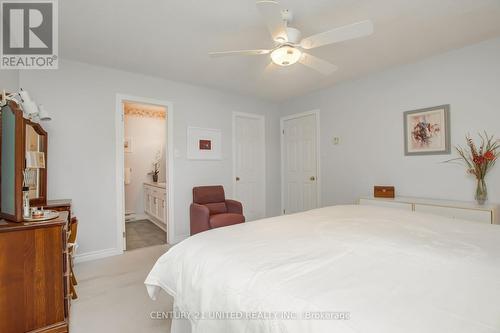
[[35, 173], [12, 162], [23, 163], [8, 163]]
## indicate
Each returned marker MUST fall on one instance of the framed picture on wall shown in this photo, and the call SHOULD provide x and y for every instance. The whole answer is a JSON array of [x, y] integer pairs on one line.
[[204, 143], [127, 145], [427, 131]]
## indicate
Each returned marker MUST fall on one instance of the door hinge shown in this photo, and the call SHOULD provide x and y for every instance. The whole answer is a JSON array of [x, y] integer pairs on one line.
[[284, 212], [123, 234], [283, 132]]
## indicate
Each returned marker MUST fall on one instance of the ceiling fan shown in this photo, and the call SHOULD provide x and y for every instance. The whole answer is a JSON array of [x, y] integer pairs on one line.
[[289, 46]]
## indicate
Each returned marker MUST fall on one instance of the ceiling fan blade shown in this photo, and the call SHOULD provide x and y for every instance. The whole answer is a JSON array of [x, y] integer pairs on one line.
[[271, 12], [242, 52], [351, 31], [320, 65]]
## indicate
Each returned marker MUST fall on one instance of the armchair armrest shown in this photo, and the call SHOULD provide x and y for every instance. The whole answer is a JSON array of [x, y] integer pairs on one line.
[[199, 216], [234, 207]]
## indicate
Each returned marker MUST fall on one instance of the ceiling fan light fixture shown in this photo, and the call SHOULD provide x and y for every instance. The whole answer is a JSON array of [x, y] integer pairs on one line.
[[286, 55], [280, 39]]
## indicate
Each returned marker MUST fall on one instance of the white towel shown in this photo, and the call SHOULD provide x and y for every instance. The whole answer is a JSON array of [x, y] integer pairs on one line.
[[128, 176]]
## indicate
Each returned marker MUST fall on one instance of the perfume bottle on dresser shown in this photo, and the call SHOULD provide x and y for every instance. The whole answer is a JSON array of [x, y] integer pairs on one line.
[[26, 202]]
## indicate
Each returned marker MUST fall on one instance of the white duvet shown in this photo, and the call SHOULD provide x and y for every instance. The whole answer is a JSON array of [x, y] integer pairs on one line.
[[390, 270]]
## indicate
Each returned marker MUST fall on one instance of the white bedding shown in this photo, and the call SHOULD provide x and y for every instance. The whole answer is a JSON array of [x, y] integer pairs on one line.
[[391, 270]]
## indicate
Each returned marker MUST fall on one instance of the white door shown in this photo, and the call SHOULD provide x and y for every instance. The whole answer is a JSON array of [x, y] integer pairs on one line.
[[249, 164], [300, 162]]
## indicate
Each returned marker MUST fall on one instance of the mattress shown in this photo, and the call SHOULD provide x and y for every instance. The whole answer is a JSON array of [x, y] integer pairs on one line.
[[338, 269]]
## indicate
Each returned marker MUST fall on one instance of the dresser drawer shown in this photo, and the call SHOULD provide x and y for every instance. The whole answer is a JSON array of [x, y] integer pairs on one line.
[[456, 213], [386, 203]]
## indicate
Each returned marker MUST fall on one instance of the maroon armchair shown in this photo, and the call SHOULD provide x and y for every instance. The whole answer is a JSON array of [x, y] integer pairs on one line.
[[210, 209]]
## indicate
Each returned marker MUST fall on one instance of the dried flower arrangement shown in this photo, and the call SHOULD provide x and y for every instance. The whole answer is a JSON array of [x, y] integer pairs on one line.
[[479, 161]]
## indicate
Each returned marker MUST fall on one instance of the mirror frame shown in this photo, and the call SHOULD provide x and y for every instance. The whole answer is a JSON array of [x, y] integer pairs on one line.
[[42, 192], [19, 162]]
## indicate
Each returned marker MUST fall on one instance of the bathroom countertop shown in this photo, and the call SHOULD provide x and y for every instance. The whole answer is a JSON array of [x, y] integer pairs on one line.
[[159, 185]]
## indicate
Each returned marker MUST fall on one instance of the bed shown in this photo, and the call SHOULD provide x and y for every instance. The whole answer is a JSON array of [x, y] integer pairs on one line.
[[338, 269]]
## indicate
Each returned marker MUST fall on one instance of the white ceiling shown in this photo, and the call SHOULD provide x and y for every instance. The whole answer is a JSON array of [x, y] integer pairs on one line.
[[171, 38]]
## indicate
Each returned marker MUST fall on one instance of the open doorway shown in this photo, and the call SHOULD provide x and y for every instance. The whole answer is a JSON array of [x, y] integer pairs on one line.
[[143, 172]]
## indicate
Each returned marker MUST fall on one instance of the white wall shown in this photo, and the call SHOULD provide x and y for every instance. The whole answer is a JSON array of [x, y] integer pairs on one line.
[[9, 80], [148, 135], [82, 164], [368, 116]]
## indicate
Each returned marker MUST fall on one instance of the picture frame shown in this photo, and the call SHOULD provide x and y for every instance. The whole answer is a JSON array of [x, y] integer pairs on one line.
[[427, 131], [127, 145], [204, 143]]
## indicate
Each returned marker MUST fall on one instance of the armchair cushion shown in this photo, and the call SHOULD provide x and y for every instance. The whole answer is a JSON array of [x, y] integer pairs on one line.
[[216, 208], [224, 220], [208, 194]]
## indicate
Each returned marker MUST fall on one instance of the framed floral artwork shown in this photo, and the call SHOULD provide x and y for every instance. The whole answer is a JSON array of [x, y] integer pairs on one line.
[[427, 131]]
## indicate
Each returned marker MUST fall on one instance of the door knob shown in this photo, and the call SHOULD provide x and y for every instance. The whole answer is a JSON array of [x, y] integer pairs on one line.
[[237, 179], [312, 178]]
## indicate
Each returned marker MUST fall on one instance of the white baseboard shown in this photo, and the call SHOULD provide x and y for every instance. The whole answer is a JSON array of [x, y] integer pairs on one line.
[[158, 224], [138, 217], [94, 255]]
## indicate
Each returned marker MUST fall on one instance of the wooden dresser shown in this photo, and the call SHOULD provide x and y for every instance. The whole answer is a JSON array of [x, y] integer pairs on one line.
[[62, 205], [34, 279]]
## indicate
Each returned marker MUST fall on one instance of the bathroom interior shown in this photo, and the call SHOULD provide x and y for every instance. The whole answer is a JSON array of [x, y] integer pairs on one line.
[[145, 149]]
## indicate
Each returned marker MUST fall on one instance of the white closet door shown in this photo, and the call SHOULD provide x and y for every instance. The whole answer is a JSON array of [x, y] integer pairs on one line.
[[300, 163], [249, 164]]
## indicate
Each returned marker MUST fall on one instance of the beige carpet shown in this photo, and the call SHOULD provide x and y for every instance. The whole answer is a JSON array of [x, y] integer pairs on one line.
[[113, 298]]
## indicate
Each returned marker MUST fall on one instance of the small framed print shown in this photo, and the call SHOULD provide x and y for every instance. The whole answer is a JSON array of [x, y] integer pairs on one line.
[[427, 131], [204, 143], [127, 145]]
